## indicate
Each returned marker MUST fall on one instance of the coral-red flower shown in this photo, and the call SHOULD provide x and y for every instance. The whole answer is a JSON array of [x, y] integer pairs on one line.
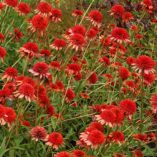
[[62, 154], [10, 115], [93, 138], [11, 3], [78, 153], [55, 15], [3, 53], [77, 41], [45, 52], [29, 49], [55, 139], [40, 69], [23, 8], [38, 23], [106, 117], [10, 73], [93, 78], [148, 5], [69, 94], [127, 16], [58, 44], [38, 133], [91, 34], [117, 137], [55, 65], [2, 37], [77, 13], [73, 68], [128, 106], [78, 29], [120, 35], [25, 91], [1, 6], [137, 153], [149, 79], [43, 8], [153, 102], [117, 10], [95, 17], [144, 64], [123, 73], [18, 34], [96, 125], [7, 115]]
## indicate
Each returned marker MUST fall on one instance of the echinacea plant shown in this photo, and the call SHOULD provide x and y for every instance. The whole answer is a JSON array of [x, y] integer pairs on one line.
[[78, 78]]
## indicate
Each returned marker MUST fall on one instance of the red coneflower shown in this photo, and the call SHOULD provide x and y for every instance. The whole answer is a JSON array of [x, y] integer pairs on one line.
[[2, 37], [25, 91], [78, 153], [55, 139], [77, 41], [55, 15], [140, 137], [3, 53], [58, 86], [96, 125], [11, 3], [73, 68], [38, 23], [148, 5], [1, 6], [58, 44], [45, 52], [29, 49], [124, 73], [50, 110], [137, 153], [55, 65], [10, 115], [23, 8], [119, 113], [127, 16], [78, 29], [106, 117], [7, 115], [128, 106], [43, 8], [130, 60], [120, 35], [5, 94], [105, 60], [144, 64], [18, 34], [95, 17], [62, 154], [69, 95], [153, 102], [93, 78], [117, 137], [38, 133], [10, 73], [92, 138], [40, 69], [2, 113], [25, 79], [117, 10], [10, 87], [77, 13], [92, 33], [149, 79]]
